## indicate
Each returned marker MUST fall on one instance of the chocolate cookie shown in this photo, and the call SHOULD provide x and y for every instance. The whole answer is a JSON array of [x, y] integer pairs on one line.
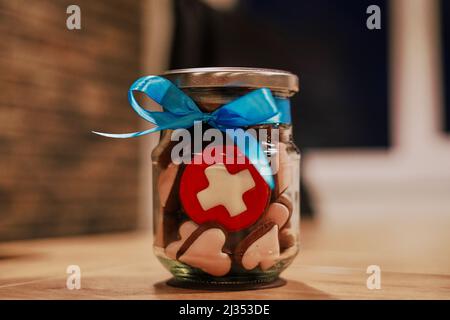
[[287, 238], [172, 215]]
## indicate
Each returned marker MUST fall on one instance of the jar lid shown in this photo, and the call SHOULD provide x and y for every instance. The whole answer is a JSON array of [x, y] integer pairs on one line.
[[233, 77]]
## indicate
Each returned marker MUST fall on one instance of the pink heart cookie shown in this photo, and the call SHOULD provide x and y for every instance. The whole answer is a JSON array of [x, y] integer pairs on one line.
[[279, 211], [261, 247], [205, 252]]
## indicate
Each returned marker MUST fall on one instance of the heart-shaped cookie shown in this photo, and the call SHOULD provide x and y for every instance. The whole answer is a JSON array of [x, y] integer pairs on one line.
[[205, 251], [186, 229], [279, 211], [261, 247]]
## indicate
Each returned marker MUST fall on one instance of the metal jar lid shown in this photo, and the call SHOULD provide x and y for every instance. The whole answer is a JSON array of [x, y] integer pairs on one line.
[[234, 77]]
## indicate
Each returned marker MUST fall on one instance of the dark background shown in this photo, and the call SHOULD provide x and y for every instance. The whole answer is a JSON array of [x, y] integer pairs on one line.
[[342, 65], [57, 178]]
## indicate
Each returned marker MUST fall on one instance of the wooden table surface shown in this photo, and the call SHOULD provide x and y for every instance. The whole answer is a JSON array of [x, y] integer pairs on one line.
[[122, 266]]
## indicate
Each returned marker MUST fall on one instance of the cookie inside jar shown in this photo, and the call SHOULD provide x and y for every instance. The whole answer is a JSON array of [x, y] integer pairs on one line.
[[226, 222], [221, 218]]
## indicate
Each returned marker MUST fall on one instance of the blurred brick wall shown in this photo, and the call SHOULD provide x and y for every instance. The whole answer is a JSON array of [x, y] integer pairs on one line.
[[56, 85]]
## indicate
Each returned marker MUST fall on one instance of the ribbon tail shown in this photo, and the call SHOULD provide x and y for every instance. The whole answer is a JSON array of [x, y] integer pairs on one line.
[[182, 122], [254, 152], [127, 135]]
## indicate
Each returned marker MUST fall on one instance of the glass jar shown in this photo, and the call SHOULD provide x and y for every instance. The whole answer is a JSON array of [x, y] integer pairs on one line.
[[227, 227]]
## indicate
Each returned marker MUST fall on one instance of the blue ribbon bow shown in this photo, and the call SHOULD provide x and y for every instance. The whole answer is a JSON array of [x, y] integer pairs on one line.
[[180, 111]]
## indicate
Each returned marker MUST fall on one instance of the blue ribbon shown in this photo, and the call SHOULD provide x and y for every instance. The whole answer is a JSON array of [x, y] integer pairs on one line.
[[180, 111]]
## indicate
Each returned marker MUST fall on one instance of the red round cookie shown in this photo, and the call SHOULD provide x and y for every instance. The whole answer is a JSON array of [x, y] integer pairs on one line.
[[195, 185]]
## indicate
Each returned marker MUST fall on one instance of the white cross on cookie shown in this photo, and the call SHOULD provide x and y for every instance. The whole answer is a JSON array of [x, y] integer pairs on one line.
[[225, 189]]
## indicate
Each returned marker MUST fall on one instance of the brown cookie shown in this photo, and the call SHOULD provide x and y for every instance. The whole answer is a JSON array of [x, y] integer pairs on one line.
[[172, 215], [170, 224], [166, 181], [164, 149], [172, 203], [288, 224], [288, 238]]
